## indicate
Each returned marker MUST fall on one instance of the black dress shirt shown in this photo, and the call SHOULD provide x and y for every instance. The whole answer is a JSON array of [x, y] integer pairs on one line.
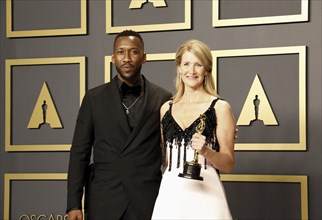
[[132, 100]]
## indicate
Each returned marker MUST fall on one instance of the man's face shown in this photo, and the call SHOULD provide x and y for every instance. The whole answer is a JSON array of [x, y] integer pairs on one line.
[[128, 57]]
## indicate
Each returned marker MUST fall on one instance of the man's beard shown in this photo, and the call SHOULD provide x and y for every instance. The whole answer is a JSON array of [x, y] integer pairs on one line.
[[130, 77]]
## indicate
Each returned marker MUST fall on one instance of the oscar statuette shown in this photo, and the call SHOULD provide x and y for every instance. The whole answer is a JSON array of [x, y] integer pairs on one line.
[[192, 169]]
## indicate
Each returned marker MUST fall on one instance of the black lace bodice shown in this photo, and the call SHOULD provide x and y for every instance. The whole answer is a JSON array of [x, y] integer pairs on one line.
[[174, 135]]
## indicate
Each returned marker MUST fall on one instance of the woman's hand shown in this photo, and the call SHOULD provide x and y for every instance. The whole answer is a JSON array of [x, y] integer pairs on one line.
[[198, 142]]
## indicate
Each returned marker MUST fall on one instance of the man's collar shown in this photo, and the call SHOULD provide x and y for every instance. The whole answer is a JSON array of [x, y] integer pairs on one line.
[[124, 88]]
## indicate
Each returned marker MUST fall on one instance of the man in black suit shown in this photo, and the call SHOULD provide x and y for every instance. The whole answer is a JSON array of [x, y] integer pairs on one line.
[[120, 121]]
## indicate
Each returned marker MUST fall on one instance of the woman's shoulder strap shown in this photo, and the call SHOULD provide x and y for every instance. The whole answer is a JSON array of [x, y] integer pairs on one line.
[[170, 105], [213, 103]]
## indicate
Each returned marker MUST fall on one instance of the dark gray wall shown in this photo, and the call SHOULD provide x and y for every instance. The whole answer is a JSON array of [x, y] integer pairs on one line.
[[248, 200]]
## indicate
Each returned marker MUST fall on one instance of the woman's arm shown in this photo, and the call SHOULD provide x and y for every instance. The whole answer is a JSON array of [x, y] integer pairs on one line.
[[224, 159], [164, 149]]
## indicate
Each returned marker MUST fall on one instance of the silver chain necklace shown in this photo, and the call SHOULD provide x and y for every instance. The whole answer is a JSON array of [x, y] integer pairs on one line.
[[127, 109]]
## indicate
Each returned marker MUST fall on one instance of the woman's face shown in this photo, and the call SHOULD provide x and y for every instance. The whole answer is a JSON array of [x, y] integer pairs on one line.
[[191, 70]]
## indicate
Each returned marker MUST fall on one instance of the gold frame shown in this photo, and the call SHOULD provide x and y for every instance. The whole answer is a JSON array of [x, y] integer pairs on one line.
[[301, 50], [8, 177], [217, 22], [46, 32], [302, 180], [37, 61], [150, 27], [149, 57]]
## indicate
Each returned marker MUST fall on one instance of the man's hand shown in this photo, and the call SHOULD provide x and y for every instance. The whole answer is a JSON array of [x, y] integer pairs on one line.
[[75, 215]]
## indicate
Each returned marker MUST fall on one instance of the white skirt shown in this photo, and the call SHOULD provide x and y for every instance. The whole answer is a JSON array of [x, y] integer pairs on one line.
[[182, 198]]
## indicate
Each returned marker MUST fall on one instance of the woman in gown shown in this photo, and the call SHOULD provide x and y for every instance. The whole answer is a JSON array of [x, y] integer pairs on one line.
[[213, 148]]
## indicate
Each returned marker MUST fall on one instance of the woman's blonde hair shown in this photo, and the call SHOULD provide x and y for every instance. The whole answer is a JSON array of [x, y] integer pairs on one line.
[[203, 53]]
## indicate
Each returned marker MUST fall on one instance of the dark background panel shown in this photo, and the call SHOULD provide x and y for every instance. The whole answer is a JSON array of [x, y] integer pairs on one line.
[[45, 14], [35, 197], [230, 9], [274, 72], [260, 200], [63, 82]]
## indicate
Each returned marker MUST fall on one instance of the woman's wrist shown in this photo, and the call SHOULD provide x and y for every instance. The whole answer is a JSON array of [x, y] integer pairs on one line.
[[204, 151]]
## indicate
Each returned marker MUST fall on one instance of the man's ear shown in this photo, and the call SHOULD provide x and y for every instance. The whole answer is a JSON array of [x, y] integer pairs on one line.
[[144, 57], [113, 58]]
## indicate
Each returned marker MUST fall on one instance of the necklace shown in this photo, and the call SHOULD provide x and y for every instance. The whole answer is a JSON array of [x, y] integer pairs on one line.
[[127, 111]]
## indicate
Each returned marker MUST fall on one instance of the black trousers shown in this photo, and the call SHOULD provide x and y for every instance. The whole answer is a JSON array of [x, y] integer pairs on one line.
[[128, 214]]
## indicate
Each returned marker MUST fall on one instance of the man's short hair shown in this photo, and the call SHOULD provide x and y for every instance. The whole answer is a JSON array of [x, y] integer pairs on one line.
[[127, 33]]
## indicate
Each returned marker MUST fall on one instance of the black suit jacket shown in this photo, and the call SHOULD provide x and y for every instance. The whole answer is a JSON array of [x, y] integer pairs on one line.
[[126, 164]]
